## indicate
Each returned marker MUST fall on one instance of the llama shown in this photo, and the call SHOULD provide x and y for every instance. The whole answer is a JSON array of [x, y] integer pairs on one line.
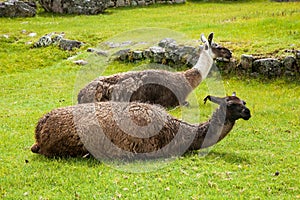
[[133, 130], [168, 89]]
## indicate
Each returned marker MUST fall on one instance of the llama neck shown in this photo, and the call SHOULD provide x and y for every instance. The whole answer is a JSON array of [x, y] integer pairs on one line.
[[212, 131], [204, 64], [193, 76]]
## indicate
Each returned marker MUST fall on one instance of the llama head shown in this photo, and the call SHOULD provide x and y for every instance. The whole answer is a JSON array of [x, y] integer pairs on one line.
[[234, 106], [215, 50]]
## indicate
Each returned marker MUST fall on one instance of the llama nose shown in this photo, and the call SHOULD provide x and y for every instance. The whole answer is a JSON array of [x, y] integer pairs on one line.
[[247, 113]]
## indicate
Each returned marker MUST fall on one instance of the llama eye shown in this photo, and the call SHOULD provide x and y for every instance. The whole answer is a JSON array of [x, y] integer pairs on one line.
[[230, 104], [244, 102]]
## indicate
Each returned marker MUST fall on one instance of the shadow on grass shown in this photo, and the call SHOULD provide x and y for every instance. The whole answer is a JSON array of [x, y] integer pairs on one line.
[[79, 161], [92, 162], [233, 158]]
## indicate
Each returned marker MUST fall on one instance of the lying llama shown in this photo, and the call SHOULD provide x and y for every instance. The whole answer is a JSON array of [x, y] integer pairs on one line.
[[118, 130], [162, 87]]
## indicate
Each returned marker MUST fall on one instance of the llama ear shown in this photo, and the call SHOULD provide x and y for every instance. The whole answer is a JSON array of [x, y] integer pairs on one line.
[[213, 99], [206, 98], [203, 38], [210, 38], [234, 94]]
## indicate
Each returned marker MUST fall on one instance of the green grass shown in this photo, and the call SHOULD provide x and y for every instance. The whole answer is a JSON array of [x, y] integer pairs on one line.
[[242, 27], [242, 166]]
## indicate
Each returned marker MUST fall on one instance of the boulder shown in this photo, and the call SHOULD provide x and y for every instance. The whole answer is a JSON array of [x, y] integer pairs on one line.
[[166, 42], [157, 54], [227, 66], [69, 45], [141, 3], [49, 39], [133, 3], [57, 39], [15, 8], [298, 58], [137, 55], [120, 3], [246, 61], [179, 1], [268, 67], [98, 52], [80, 62], [87, 7], [290, 66], [122, 55]]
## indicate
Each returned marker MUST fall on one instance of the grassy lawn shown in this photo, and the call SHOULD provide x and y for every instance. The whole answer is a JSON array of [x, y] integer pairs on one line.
[[258, 160]]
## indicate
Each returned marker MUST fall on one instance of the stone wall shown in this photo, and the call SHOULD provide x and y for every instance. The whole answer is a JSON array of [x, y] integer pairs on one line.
[[27, 8], [92, 7], [86, 7], [270, 67], [168, 52], [15, 8]]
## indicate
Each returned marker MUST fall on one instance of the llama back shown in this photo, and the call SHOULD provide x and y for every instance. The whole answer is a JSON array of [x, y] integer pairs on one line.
[[149, 86]]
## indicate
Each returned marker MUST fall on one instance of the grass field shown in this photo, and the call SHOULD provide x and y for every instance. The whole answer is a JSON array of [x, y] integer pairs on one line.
[[258, 160]]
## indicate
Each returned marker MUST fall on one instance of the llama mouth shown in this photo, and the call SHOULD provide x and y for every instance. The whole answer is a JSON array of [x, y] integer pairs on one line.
[[247, 117], [246, 114]]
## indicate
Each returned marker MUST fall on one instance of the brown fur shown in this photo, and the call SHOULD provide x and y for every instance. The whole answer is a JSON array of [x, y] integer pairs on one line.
[[56, 135], [193, 77], [150, 86], [112, 130], [161, 87]]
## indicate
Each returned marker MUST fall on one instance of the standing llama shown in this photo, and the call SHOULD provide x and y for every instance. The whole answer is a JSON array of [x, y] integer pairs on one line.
[[119, 130], [162, 87]]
